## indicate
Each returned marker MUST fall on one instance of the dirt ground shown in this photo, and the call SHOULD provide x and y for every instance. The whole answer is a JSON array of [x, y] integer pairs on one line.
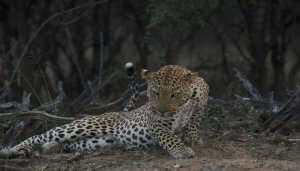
[[242, 153], [230, 142]]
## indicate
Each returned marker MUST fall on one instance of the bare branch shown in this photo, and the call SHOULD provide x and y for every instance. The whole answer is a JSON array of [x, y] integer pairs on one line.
[[85, 97], [248, 85], [9, 105], [58, 100], [24, 106], [116, 104], [5, 116], [26, 101]]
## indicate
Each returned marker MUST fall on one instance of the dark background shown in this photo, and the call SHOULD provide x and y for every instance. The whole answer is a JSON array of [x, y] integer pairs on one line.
[[79, 42]]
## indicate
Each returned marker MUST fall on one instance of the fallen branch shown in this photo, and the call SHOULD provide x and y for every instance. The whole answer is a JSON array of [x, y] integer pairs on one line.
[[214, 100], [86, 96], [248, 85], [23, 106], [294, 140], [114, 105], [262, 104], [6, 116], [288, 111], [128, 100], [50, 107], [273, 116]]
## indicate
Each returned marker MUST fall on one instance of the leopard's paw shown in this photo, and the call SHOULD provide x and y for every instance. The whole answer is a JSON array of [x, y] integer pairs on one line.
[[187, 153], [190, 140]]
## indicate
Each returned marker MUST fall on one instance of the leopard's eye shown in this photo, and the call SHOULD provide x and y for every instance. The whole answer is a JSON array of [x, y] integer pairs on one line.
[[177, 92]]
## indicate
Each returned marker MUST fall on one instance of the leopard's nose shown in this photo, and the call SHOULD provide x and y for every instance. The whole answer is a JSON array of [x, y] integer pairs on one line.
[[164, 103], [164, 108]]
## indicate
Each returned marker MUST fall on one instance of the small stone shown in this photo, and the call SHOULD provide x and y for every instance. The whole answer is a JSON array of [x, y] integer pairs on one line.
[[177, 166]]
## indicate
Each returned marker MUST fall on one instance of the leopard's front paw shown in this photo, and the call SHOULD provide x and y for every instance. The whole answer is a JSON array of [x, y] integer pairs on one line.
[[190, 140], [187, 153], [25, 152]]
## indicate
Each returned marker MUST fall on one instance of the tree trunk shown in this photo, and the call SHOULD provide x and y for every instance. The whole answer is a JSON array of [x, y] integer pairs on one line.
[[255, 13], [277, 36], [102, 37]]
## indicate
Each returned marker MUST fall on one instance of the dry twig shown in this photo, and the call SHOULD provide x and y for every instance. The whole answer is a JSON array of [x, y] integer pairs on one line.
[[6, 116]]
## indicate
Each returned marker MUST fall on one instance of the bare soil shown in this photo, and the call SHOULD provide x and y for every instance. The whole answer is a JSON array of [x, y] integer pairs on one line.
[[242, 153]]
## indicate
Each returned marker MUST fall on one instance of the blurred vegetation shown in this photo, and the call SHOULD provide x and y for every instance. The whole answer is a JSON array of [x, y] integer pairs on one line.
[[183, 15], [266, 25], [82, 42]]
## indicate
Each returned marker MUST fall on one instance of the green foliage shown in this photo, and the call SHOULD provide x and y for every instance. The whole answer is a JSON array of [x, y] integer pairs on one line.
[[183, 15]]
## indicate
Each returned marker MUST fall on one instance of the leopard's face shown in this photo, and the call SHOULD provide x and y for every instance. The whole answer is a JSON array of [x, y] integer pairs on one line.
[[168, 88]]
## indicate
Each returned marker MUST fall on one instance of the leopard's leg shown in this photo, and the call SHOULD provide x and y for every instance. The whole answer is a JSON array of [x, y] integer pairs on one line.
[[183, 115], [192, 129], [79, 129], [166, 138], [90, 144]]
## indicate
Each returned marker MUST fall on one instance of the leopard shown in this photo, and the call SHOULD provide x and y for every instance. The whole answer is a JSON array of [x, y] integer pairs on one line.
[[175, 91], [149, 124], [183, 102]]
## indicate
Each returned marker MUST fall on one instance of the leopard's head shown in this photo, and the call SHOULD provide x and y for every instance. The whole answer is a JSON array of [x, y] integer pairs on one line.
[[169, 87]]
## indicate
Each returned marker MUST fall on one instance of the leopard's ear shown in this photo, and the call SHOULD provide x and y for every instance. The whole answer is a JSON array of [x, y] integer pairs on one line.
[[196, 74], [191, 75], [145, 74]]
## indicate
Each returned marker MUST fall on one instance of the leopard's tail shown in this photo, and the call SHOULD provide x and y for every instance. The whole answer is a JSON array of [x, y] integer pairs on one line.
[[134, 84]]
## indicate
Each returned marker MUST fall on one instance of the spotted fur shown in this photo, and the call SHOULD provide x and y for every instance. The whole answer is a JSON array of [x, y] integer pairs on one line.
[[137, 128]]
